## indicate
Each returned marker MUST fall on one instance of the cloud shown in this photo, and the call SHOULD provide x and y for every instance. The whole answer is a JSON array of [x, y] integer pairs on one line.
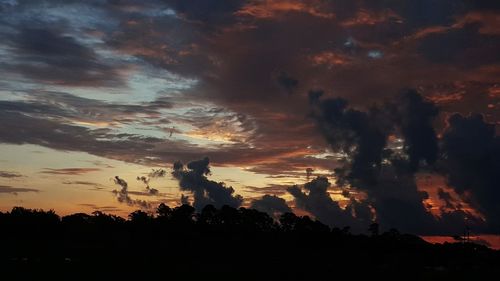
[[199, 40], [69, 171], [79, 110], [185, 200], [415, 117], [315, 199], [100, 208], [287, 82], [269, 9], [472, 152], [83, 121], [157, 173], [205, 191], [9, 175], [49, 56], [20, 128], [122, 195], [367, 17], [490, 24], [329, 58], [274, 189], [15, 190], [466, 47], [95, 185], [271, 204], [208, 12], [121, 182], [153, 174], [243, 55], [445, 196], [362, 135], [378, 166]]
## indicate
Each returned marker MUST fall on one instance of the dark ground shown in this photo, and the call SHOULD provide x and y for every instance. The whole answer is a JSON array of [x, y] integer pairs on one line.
[[222, 244]]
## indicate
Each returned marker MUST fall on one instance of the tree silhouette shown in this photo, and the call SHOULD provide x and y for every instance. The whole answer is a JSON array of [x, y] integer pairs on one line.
[[374, 229], [221, 243]]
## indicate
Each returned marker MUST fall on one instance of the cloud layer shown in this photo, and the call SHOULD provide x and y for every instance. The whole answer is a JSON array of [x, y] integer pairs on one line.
[[237, 81]]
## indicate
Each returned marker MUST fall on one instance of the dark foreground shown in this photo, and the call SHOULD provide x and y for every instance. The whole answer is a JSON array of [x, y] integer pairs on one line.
[[225, 244]]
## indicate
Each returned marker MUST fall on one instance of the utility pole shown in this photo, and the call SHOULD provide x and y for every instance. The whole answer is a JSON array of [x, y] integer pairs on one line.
[[466, 232]]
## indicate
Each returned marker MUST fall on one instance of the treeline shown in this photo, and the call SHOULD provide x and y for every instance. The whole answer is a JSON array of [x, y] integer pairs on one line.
[[22, 222], [225, 243]]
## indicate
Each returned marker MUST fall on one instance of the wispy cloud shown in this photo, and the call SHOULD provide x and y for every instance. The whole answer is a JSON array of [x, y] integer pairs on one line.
[[16, 190], [85, 183], [69, 171], [10, 175], [100, 208]]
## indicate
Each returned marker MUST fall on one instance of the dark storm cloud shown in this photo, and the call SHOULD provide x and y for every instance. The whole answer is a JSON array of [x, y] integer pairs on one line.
[[185, 200], [60, 105], [15, 190], [271, 204], [285, 51], [24, 122], [54, 121], [472, 160], [101, 107], [204, 191], [415, 117], [57, 109], [66, 109], [43, 43], [483, 5], [293, 31], [447, 199], [234, 65], [464, 47], [318, 202], [19, 128], [386, 174], [363, 135], [49, 56], [287, 82]]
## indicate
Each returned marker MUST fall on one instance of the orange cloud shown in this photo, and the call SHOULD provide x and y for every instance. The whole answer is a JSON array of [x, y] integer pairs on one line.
[[432, 183], [494, 92], [272, 8], [329, 59], [441, 98], [493, 241], [490, 25], [365, 17], [489, 21], [429, 30]]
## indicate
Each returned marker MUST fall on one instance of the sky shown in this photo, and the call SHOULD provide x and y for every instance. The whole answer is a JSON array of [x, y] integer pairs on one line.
[[347, 111]]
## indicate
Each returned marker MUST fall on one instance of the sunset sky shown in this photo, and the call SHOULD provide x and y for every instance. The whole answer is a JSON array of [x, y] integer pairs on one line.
[[91, 90]]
